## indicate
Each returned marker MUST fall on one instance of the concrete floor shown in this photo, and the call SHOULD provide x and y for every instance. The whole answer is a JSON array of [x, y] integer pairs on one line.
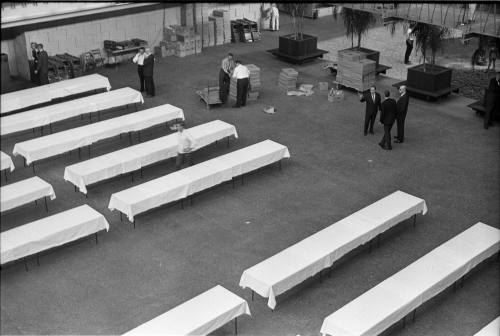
[[132, 276]]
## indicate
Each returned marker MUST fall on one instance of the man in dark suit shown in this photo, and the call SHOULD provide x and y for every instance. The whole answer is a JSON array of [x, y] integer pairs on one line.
[[149, 61], [34, 65], [42, 69], [387, 117], [402, 109], [492, 100], [372, 99]]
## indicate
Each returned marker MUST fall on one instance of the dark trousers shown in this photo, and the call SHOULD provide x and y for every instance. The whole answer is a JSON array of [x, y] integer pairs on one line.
[[401, 127], [140, 71], [409, 48], [181, 158], [43, 78], [370, 121], [150, 85], [242, 92], [224, 82], [491, 105], [386, 140]]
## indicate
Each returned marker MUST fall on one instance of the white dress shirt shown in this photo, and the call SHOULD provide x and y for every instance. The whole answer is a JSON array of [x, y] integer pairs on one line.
[[240, 72], [139, 59], [184, 141]]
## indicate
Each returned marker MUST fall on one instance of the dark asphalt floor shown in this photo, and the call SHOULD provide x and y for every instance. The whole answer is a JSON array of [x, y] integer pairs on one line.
[[133, 275]]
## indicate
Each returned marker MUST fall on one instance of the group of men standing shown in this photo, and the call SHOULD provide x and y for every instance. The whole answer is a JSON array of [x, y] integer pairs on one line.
[[145, 61], [391, 111], [230, 68], [40, 64]]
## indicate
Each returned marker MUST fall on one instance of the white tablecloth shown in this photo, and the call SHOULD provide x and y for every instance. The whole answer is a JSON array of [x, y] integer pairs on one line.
[[188, 181], [391, 300], [45, 93], [53, 113], [132, 158], [306, 258], [49, 232], [6, 162], [58, 143], [23, 192], [199, 316], [492, 329]]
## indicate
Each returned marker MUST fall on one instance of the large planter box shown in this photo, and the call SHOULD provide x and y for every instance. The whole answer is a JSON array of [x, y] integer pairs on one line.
[[435, 79], [370, 54], [298, 48]]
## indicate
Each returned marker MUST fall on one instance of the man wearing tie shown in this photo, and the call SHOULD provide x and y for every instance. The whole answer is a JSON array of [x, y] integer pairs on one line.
[[139, 60], [226, 68], [402, 108], [241, 73], [387, 117], [372, 100]]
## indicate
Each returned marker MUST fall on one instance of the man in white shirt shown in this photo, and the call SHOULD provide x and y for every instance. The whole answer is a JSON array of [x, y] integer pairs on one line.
[[139, 60], [226, 68], [185, 145], [242, 75], [275, 18]]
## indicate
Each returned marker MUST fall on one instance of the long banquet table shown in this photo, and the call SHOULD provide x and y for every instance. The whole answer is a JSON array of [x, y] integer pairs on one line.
[[49, 232], [199, 316], [23, 192], [61, 142], [492, 329], [45, 93], [48, 115], [183, 183], [6, 162], [394, 298], [306, 258], [138, 156]]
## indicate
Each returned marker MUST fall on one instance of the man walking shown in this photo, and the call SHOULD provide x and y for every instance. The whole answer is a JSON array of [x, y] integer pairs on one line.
[[33, 68], [492, 100], [372, 99], [185, 146], [149, 61], [42, 69], [402, 109], [275, 18], [139, 60], [409, 45], [387, 117], [226, 68], [241, 74]]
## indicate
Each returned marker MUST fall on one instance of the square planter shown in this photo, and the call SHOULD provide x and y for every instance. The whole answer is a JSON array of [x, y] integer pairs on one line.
[[435, 79], [288, 45]]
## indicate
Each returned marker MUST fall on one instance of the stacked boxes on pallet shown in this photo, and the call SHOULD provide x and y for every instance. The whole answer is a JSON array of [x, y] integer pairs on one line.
[[354, 70], [180, 41], [226, 22], [255, 84], [288, 79], [219, 29]]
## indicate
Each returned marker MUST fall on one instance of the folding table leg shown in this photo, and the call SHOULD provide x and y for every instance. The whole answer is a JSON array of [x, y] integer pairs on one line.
[[252, 295], [378, 240], [75, 188], [236, 326], [79, 153], [96, 241], [228, 142], [25, 264], [50, 128], [135, 105], [5, 173], [404, 322], [370, 247], [414, 220], [130, 137], [191, 199], [141, 171], [46, 206], [414, 313], [121, 217], [36, 203], [133, 222], [216, 141], [33, 167], [37, 259]]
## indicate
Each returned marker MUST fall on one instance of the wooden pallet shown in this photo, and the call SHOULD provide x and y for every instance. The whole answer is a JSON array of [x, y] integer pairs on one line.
[[209, 95]]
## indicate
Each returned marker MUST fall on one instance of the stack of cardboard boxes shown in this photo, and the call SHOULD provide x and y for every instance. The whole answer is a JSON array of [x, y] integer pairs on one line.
[[180, 41], [255, 85], [354, 70], [288, 79], [226, 23], [219, 29], [187, 15]]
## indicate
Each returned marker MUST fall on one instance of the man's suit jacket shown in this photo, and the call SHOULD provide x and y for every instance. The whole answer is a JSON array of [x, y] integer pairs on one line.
[[43, 62], [388, 111], [371, 105], [149, 62], [494, 86], [402, 106]]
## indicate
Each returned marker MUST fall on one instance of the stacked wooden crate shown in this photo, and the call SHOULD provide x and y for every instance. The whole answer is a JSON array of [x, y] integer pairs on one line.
[[288, 79], [219, 29], [226, 23], [207, 33], [187, 15], [255, 85], [354, 70]]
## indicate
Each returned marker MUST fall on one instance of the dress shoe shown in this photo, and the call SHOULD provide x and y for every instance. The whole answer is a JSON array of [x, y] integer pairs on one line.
[[398, 141]]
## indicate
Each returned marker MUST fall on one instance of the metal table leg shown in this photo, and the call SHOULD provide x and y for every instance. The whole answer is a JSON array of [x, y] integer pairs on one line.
[[46, 206]]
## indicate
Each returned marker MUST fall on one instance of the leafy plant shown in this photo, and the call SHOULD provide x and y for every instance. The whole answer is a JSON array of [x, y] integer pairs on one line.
[[429, 37], [297, 11], [356, 22]]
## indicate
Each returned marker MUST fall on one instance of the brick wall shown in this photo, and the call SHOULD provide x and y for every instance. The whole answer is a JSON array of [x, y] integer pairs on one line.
[[78, 38]]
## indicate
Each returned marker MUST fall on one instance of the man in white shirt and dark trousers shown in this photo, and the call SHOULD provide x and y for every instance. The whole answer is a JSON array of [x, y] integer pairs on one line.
[[185, 145], [275, 18], [139, 60], [226, 68], [242, 75]]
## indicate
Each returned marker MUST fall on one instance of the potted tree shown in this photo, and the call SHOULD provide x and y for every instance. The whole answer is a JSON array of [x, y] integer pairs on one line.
[[357, 24], [297, 46], [427, 76]]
